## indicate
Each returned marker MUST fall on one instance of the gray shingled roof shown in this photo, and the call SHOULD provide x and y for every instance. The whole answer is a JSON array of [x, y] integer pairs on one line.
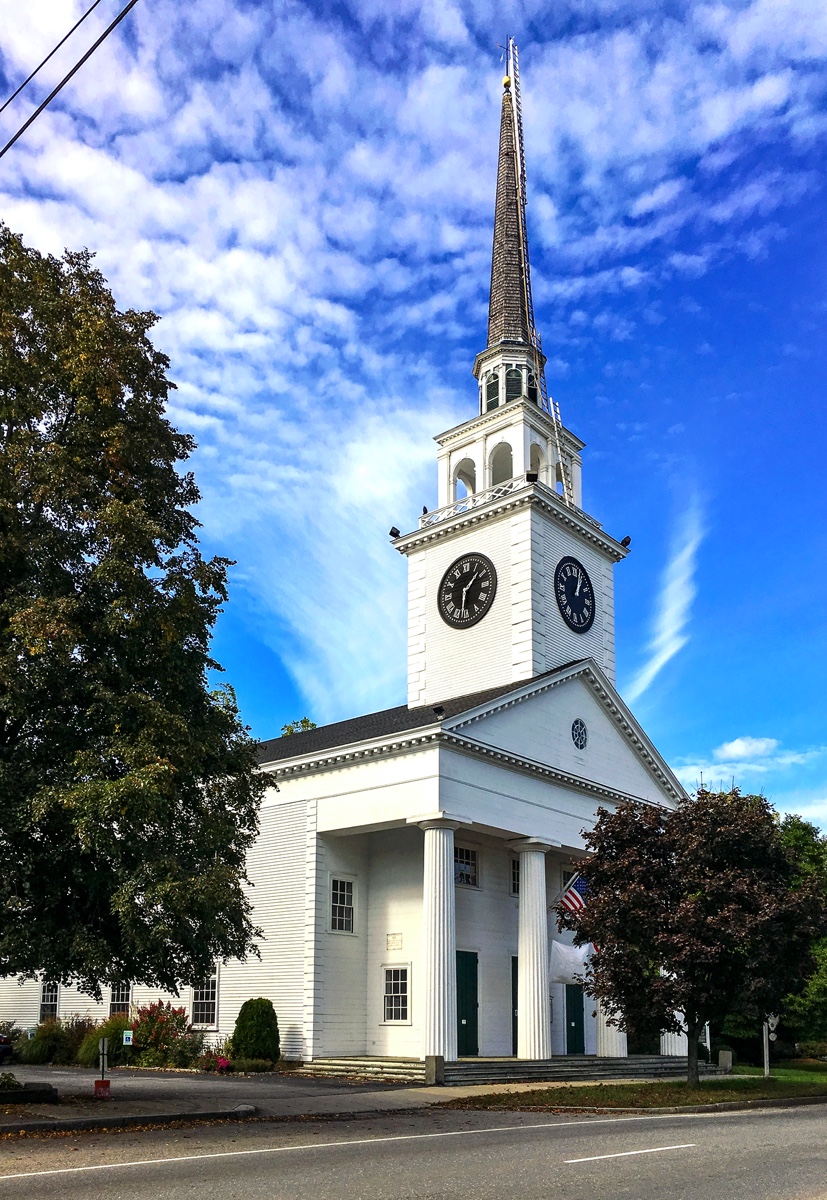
[[380, 724], [507, 316]]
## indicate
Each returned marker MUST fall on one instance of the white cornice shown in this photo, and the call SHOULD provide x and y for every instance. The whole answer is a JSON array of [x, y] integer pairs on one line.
[[533, 493], [529, 766], [589, 671], [466, 745], [505, 414]]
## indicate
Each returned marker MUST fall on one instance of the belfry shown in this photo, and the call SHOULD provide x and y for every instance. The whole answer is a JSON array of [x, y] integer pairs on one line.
[[409, 860]]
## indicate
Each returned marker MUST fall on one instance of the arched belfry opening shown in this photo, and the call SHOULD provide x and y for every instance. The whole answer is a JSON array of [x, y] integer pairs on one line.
[[501, 464], [513, 384], [537, 461], [465, 479]]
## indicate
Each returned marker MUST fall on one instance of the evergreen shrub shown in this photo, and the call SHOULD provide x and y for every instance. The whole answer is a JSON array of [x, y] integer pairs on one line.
[[256, 1033]]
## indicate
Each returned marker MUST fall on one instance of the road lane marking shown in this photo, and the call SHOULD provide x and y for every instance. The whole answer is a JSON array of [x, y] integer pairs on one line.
[[628, 1153], [405, 1137]]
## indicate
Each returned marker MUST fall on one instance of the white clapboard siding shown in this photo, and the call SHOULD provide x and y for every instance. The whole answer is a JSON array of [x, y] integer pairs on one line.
[[276, 867]]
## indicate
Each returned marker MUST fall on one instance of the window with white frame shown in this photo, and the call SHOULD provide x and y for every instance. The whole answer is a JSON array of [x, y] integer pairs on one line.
[[205, 1001], [48, 1001], [396, 994], [567, 877], [341, 905], [466, 871], [515, 877], [120, 999]]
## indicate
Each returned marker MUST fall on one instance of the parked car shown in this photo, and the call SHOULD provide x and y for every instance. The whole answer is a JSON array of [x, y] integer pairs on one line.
[[6, 1048]]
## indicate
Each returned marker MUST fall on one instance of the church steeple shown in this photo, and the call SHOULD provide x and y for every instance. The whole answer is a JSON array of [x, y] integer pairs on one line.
[[508, 319]]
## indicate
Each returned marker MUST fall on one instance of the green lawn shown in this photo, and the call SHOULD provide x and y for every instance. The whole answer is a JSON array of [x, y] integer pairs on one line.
[[750, 1086], [800, 1070]]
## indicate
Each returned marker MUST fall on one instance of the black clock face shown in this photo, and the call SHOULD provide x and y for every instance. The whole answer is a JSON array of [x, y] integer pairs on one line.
[[575, 594], [467, 590]]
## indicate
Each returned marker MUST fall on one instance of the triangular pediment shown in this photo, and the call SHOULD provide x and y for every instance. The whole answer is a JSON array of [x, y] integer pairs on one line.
[[536, 723]]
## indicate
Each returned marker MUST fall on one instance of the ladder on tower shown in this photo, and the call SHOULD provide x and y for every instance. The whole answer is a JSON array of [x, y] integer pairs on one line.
[[547, 402]]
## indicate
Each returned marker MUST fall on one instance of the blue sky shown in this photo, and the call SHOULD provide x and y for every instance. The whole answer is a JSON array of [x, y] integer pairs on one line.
[[304, 193]]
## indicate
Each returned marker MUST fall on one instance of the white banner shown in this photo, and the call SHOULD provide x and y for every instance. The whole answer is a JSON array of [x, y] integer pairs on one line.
[[568, 961]]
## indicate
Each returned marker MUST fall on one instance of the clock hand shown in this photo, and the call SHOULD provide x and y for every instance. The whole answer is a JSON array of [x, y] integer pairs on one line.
[[467, 586], [579, 581]]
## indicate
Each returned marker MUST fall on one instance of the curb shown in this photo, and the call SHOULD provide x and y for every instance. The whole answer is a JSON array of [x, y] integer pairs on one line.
[[240, 1113], [719, 1106]]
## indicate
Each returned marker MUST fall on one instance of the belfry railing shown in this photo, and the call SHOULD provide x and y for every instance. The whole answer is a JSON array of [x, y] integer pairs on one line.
[[497, 491]]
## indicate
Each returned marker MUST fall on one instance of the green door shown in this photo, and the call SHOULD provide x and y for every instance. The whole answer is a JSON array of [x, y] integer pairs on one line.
[[467, 1004], [514, 977], [575, 1031]]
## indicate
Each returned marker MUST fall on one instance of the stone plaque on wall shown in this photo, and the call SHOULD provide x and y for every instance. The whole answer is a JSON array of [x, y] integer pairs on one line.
[[393, 941]]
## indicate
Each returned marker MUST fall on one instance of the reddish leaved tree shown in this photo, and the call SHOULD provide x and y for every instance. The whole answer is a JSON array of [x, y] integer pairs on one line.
[[697, 911]]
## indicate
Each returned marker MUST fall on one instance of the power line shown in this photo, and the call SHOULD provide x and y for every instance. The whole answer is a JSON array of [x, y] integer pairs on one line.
[[68, 76], [48, 56]]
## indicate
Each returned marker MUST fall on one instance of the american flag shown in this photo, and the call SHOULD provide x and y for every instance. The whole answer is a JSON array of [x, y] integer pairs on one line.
[[575, 894]]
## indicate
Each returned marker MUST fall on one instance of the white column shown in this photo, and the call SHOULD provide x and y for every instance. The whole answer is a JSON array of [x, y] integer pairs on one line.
[[674, 1044], [533, 1016], [439, 941], [611, 1041]]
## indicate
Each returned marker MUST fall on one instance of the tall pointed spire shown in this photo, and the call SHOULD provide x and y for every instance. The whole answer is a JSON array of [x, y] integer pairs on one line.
[[508, 319]]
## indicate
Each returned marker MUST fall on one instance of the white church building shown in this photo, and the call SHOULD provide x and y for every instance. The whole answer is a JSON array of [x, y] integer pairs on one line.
[[409, 860]]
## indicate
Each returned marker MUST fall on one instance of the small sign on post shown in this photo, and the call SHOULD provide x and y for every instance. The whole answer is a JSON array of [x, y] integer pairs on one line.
[[102, 1084], [770, 1026], [127, 1037]]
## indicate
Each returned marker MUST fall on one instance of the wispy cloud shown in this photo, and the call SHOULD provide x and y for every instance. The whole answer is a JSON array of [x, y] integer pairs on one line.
[[674, 602]]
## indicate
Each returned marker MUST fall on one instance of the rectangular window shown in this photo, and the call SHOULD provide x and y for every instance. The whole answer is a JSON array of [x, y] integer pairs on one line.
[[567, 878], [48, 1001], [204, 1001], [465, 867], [396, 993], [120, 999], [515, 877], [341, 905]]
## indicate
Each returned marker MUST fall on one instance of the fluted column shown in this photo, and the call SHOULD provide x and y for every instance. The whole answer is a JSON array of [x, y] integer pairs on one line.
[[611, 1041], [439, 941], [533, 1016], [674, 1044]]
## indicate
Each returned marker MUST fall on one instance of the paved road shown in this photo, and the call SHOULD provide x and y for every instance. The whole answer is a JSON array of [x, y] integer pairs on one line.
[[767, 1155]]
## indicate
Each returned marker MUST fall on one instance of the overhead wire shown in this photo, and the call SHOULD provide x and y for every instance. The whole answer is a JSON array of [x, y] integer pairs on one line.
[[68, 76], [48, 56]]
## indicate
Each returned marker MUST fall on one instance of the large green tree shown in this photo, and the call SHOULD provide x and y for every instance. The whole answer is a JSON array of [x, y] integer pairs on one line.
[[805, 1010], [696, 911], [128, 790]]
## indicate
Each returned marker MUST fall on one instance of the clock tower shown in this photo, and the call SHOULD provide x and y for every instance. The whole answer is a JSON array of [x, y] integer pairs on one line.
[[508, 577]]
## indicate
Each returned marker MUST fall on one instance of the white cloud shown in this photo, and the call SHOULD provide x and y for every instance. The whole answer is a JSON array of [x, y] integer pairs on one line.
[[674, 604], [745, 747]]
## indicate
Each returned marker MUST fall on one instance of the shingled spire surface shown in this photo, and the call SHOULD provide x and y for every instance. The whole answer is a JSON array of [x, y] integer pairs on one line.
[[507, 317]]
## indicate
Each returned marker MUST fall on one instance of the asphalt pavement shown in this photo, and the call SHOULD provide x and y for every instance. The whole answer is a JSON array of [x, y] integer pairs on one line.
[[165, 1093], [439, 1155]]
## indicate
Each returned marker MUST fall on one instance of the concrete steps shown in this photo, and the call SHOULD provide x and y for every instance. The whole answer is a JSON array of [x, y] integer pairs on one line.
[[562, 1069], [565, 1069]]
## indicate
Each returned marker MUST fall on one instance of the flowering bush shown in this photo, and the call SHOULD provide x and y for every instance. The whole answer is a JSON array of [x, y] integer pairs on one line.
[[158, 1032], [213, 1060]]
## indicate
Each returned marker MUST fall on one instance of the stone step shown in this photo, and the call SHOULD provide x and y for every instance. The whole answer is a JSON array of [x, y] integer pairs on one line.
[[561, 1069]]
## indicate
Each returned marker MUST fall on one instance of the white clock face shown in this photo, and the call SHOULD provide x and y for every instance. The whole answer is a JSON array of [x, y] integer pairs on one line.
[[467, 591]]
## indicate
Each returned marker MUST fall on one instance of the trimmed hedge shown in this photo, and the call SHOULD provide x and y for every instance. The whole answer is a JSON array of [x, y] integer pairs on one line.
[[256, 1033]]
